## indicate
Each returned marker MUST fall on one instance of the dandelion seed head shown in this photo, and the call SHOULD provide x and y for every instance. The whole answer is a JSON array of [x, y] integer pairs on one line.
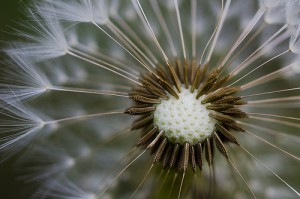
[[181, 122], [181, 89]]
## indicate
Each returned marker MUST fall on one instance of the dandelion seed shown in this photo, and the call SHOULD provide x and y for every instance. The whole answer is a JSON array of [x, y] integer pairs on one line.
[[23, 81], [47, 42], [137, 102]]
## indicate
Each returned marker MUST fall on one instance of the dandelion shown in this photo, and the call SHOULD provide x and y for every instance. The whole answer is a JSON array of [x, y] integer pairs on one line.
[[155, 99]]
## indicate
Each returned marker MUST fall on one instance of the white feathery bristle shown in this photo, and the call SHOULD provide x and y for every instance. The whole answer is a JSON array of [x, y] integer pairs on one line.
[[65, 71], [101, 12], [271, 3], [293, 12], [78, 72], [294, 44], [277, 193], [170, 4], [72, 38], [44, 40], [58, 161], [58, 74], [62, 187], [275, 11], [18, 127], [69, 10], [114, 7], [281, 11], [129, 13], [296, 67], [23, 81]]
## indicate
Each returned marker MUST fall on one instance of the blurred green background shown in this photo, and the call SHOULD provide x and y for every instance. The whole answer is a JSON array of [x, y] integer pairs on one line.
[[10, 13]]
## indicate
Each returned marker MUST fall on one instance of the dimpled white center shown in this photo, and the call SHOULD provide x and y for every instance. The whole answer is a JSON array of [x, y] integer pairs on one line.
[[184, 119]]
